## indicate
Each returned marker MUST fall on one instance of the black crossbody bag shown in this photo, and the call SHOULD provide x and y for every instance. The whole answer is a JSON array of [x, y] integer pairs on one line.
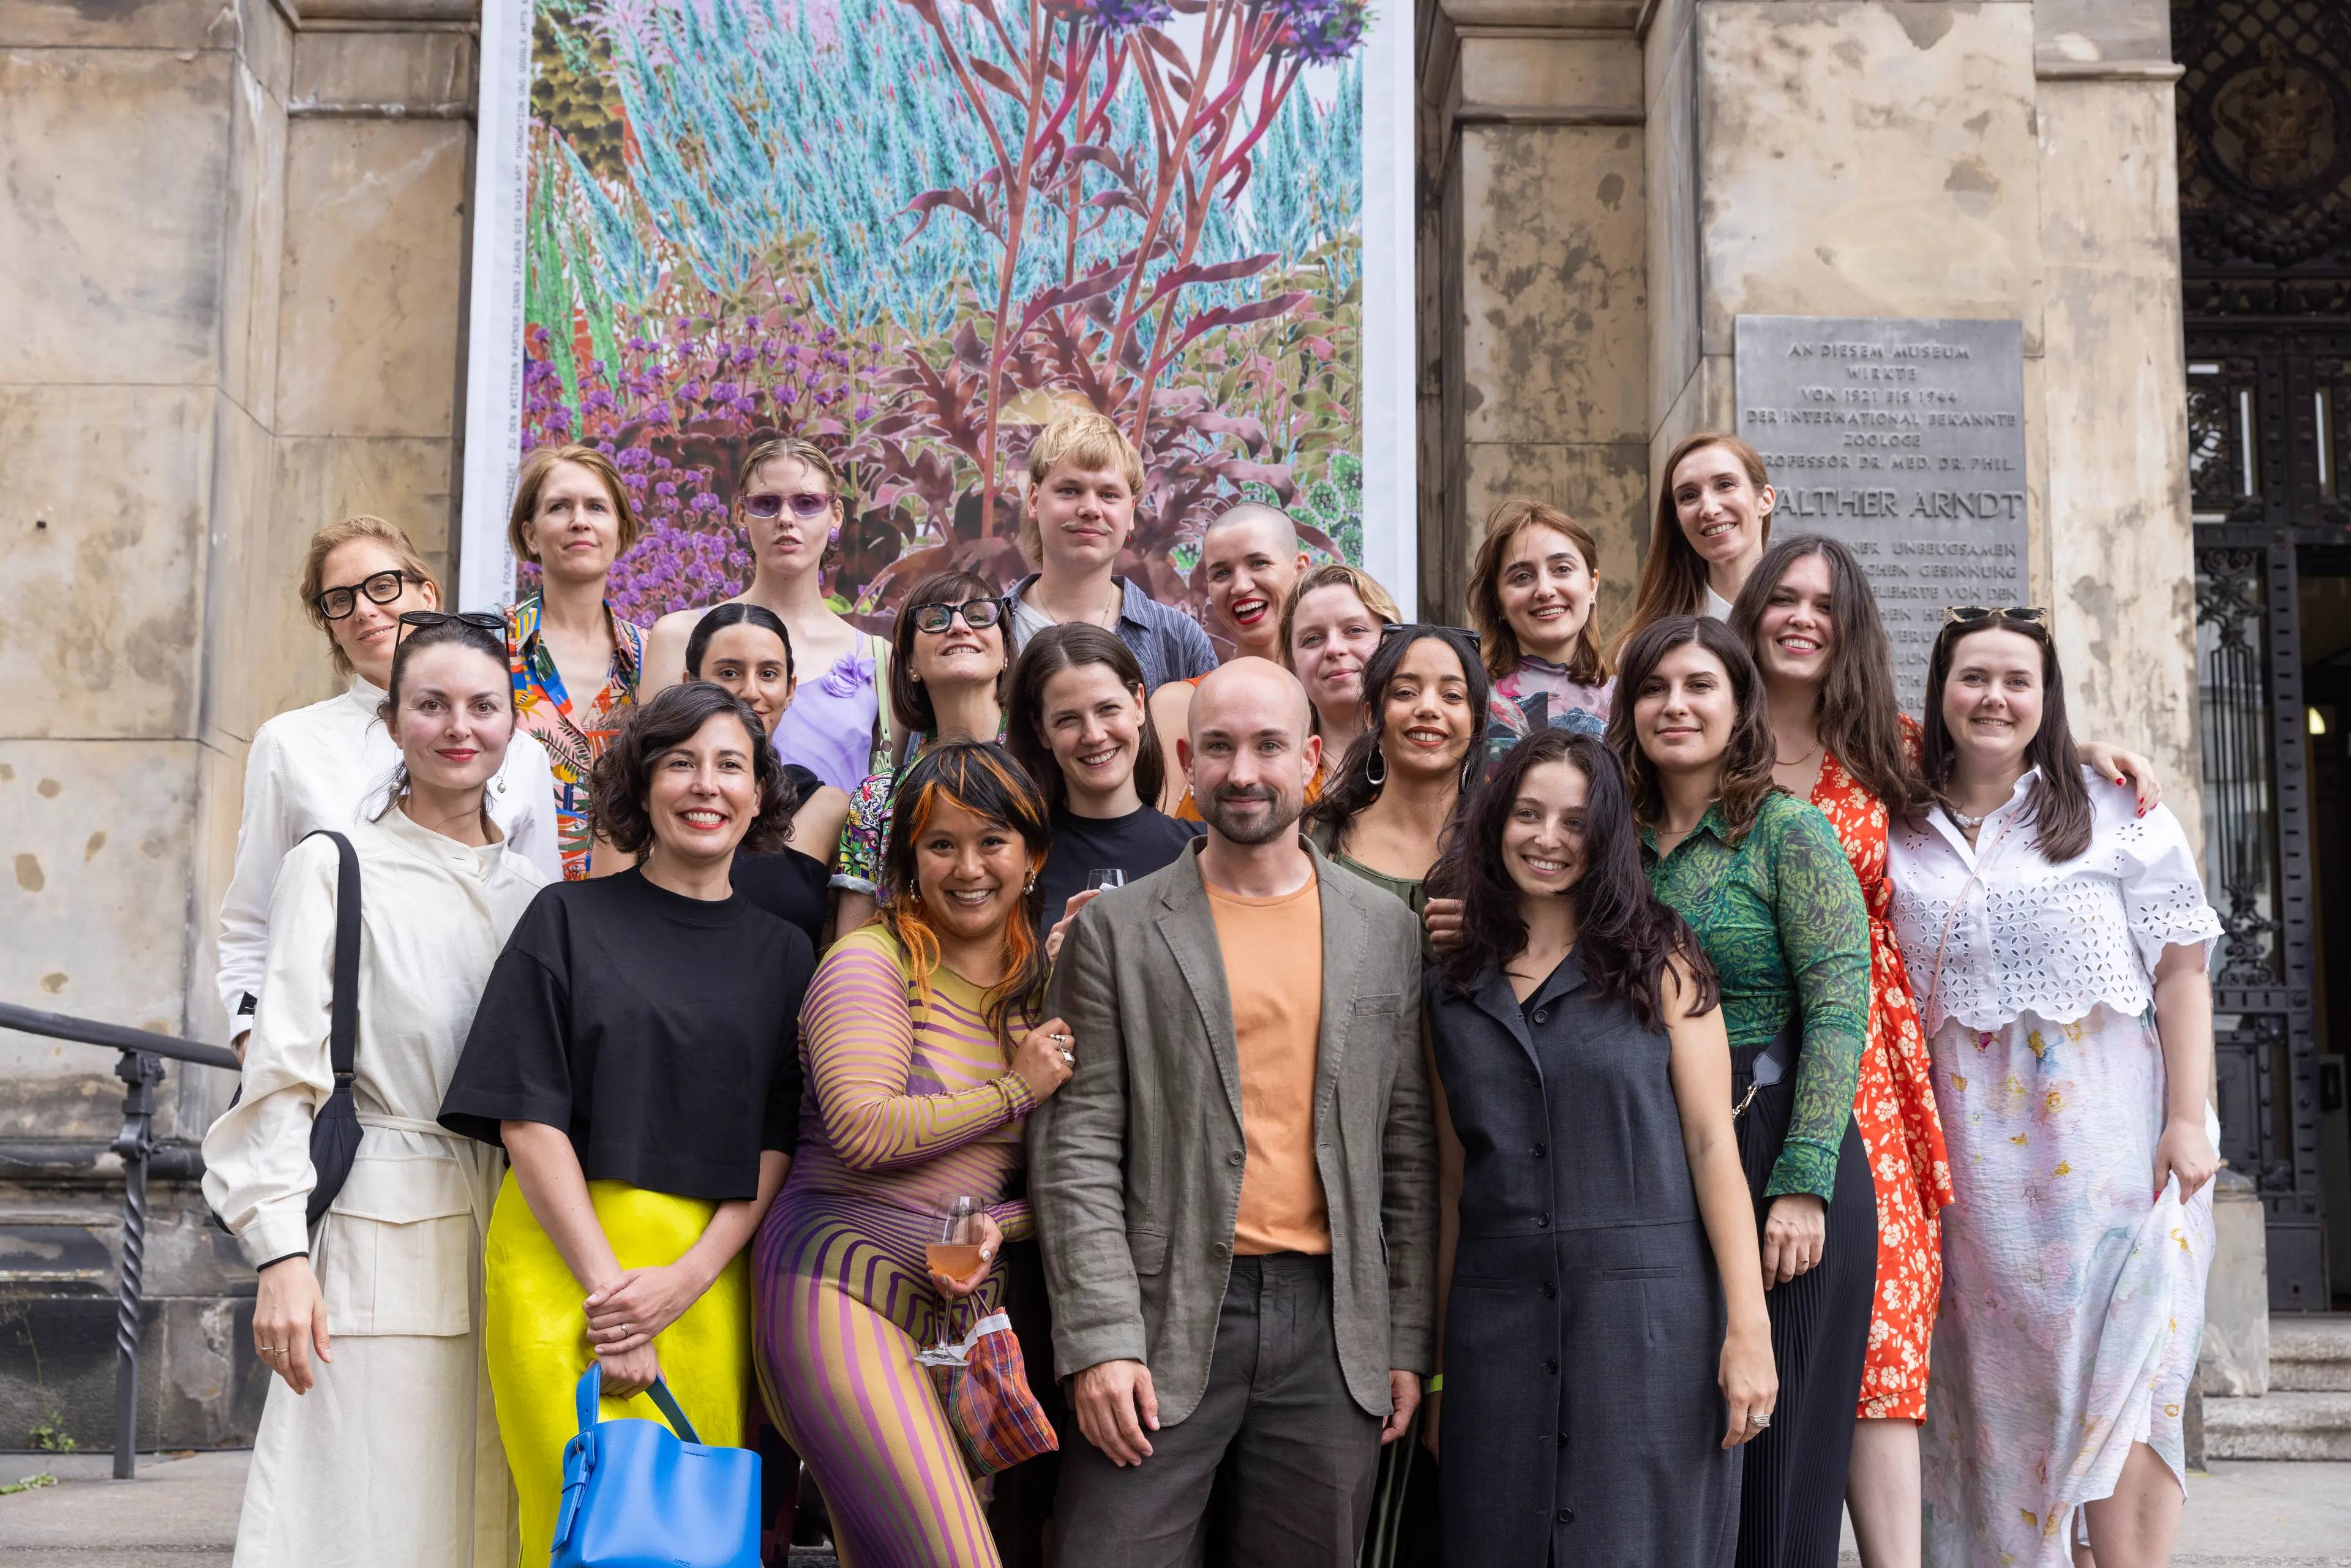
[[335, 1130]]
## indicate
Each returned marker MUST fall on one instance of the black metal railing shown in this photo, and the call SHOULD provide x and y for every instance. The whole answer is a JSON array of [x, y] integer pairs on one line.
[[141, 1068]]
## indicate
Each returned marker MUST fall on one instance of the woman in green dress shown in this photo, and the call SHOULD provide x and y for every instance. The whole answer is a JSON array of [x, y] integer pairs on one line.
[[1386, 816], [1761, 878]]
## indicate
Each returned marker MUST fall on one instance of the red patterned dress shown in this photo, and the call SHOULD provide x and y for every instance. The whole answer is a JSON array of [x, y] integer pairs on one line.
[[1895, 1108]]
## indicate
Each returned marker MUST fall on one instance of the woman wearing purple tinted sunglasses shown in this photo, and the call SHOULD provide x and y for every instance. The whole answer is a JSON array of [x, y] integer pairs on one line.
[[788, 500]]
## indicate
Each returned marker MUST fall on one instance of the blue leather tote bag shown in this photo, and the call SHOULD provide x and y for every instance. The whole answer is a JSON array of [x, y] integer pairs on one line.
[[638, 1495]]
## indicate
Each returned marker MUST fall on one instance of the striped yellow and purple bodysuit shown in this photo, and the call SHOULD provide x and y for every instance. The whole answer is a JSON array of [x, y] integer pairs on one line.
[[911, 1099]]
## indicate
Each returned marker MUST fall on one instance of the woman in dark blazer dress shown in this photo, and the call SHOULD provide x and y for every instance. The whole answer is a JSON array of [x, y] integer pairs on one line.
[[1605, 1347]]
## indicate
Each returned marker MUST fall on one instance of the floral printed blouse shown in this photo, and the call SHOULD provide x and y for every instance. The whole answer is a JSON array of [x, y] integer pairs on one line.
[[858, 867], [1781, 919], [574, 733]]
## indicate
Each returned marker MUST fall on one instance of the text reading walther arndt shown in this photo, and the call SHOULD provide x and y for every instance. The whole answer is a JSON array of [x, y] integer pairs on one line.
[[1906, 440]]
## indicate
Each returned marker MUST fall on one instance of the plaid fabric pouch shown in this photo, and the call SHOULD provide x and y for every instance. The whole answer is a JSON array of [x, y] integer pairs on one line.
[[983, 1385]]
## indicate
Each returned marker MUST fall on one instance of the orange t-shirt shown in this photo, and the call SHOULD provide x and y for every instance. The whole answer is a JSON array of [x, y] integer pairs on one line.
[[1273, 966]]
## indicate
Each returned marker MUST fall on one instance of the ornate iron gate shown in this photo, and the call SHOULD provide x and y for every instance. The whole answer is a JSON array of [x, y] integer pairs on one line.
[[2265, 407]]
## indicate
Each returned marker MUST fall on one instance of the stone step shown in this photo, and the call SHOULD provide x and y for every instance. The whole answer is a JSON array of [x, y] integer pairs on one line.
[[2279, 1427], [2310, 1352]]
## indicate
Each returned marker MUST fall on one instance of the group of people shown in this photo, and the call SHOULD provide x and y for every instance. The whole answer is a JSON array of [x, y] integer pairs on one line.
[[1480, 1095]]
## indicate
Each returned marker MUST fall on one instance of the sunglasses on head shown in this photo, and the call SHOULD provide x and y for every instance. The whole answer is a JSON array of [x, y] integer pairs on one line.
[[1397, 628], [804, 504], [479, 619], [1970, 614], [380, 588], [978, 614]]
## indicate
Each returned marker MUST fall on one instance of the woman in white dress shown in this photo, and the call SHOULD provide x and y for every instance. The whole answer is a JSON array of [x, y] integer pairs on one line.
[[328, 765], [378, 1445], [2056, 938]]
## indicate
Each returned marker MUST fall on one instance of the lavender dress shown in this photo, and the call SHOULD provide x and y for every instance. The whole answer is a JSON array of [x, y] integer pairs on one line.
[[829, 728]]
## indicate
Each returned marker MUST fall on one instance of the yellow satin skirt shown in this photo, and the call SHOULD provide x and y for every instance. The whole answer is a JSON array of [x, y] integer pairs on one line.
[[535, 1339]]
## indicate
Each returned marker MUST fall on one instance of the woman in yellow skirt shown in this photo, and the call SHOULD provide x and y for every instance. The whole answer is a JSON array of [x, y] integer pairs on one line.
[[636, 1052]]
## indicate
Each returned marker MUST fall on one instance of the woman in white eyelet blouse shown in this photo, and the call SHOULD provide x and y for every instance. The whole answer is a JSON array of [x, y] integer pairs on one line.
[[2070, 1027]]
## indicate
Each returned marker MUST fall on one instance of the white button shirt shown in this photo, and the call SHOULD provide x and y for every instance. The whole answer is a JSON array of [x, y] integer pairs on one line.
[[328, 766]]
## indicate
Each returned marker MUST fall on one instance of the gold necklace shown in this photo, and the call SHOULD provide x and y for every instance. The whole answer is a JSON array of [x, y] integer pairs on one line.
[[1796, 761]]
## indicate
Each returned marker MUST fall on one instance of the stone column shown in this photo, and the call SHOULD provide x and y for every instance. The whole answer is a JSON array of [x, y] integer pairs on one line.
[[1999, 159], [1537, 310], [231, 237], [2121, 548]]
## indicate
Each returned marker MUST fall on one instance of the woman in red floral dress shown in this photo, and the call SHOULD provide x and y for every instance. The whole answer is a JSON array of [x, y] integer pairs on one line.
[[1811, 620]]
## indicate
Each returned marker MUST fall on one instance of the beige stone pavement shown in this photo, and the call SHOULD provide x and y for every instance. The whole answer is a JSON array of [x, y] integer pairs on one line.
[[181, 1513]]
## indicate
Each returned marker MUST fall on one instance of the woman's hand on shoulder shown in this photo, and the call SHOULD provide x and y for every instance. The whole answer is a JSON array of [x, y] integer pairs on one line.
[[2116, 765], [1045, 1058], [1442, 918]]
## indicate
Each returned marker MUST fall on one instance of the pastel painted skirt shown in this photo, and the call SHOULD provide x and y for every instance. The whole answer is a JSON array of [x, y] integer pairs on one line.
[[535, 1339]]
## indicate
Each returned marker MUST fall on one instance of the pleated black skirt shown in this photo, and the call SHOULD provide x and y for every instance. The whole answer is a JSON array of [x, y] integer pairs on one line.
[[1791, 1499]]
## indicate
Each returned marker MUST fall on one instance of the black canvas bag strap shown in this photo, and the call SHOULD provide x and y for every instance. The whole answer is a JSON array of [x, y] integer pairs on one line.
[[343, 1030]]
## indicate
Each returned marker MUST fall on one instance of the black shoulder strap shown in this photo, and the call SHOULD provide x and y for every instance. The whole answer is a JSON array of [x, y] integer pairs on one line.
[[343, 1037]]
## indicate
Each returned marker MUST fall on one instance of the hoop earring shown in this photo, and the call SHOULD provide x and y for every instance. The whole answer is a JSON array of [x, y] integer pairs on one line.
[[1375, 771]]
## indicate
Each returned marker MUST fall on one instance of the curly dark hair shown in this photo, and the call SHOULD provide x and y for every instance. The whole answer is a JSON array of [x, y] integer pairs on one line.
[[982, 779], [1066, 647], [1349, 786], [1747, 756], [1624, 937], [620, 787], [1860, 722]]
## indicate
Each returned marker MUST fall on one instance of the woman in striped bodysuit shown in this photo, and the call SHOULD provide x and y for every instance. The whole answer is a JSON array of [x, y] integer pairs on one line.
[[916, 1092]]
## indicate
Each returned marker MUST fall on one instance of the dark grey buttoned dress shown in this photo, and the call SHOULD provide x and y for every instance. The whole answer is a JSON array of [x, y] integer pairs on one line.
[[1582, 1419]]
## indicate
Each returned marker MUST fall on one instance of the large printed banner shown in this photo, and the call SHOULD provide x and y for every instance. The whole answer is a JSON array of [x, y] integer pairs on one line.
[[910, 230]]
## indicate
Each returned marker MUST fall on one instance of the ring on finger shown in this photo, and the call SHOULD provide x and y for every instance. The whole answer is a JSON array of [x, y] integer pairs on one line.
[[1069, 1057]]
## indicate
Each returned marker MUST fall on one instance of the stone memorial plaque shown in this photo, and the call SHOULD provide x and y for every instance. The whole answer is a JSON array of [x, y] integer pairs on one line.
[[1904, 440]]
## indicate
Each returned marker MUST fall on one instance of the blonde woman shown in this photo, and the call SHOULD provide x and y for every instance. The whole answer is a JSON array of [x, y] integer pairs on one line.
[[788, 502], [1329, 629], [575, 662], [331, 764]]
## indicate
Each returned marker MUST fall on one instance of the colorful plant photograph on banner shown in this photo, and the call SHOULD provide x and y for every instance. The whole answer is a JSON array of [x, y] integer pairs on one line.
[[914, 230]]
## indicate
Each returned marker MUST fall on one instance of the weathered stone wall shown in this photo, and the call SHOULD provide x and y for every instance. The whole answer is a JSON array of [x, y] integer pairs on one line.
[[1542, 304], [231, 236]]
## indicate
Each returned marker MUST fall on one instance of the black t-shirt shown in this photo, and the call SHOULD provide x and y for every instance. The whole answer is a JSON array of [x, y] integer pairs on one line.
[[660, 1032], [790, 886], [1138, 843]]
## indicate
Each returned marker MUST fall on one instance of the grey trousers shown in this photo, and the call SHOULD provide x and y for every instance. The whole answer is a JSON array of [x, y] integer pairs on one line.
[[1288, 1453]]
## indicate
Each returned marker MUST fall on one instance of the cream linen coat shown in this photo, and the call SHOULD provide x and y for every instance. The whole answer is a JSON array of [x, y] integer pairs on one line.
[[392, 1459]]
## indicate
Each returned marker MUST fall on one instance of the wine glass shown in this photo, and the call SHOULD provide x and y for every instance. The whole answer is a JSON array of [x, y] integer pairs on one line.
[[1102, 878], [953, 1250]]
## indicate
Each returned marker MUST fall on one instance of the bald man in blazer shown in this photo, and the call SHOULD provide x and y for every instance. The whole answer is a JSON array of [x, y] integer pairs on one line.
[[1236, 1192]]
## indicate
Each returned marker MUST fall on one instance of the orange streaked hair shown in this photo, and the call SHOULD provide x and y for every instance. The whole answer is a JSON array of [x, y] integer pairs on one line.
[[981, 778]]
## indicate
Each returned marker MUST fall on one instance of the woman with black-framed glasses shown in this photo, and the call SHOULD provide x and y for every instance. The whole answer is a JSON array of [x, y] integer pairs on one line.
[[789, 504], [331, 764], [949, 676]]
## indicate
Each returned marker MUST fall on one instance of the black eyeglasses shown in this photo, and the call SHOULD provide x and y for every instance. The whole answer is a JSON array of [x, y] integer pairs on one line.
[[978, 614], [1397, 628], [805, 504], [1968, 614], [479, 619], [380, 588]]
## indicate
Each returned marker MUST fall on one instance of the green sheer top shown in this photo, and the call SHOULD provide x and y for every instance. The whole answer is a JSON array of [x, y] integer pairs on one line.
[[1782, 917]]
